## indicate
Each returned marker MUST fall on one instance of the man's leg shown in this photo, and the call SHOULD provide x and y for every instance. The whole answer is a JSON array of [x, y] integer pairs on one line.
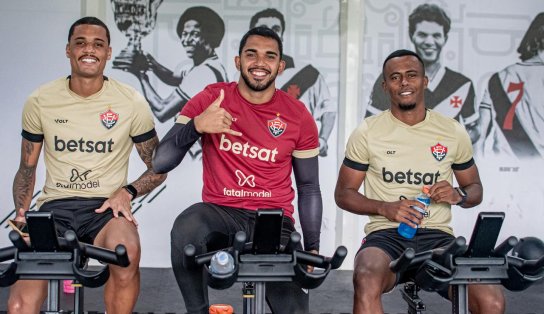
[[27, 296], [371, 278], [123, 286], [486, 299], [201, 225]]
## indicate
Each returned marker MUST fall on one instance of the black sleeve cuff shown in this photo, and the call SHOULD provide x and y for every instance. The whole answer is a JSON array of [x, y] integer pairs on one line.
[[463, 166], [37, 138], [355, 165], [144, 137]]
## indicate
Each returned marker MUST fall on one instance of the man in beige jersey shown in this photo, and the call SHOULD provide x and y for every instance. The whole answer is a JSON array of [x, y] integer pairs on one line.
[[87, 125], [395, 153]]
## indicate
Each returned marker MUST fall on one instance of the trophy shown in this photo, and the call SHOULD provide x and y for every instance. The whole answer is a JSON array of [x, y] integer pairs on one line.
[[135, 19]]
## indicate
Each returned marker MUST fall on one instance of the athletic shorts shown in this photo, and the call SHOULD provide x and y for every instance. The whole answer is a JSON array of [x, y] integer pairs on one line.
[[393, 244], [77, 214]]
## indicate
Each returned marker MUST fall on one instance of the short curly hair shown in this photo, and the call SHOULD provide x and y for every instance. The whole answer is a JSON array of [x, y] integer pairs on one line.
[[211, 24]]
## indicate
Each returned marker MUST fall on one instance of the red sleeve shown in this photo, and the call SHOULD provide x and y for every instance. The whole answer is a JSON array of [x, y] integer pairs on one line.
[[308, 137]]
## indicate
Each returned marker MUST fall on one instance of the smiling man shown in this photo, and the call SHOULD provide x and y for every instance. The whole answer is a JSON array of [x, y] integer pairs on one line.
[[448, 92], [253, 137], [87, 125], [424, 142]]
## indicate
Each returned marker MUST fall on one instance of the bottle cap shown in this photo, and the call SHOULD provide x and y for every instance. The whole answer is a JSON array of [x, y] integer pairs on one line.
[[222, 258], [221, 309], [426, 189]]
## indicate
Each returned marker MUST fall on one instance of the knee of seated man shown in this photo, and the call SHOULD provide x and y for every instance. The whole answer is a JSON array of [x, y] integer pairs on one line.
[[18, 303], [486, 299], [189, 226]]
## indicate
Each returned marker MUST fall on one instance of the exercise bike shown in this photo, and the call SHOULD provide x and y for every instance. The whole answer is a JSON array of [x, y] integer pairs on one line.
[[459, 265], [264, 260], [53, 258]]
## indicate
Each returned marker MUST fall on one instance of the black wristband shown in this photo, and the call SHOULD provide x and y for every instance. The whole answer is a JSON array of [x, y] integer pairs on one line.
[[463, 194], [131, 190]]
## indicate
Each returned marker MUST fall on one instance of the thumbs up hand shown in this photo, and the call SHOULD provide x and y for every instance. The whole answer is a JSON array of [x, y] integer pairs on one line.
[[215, 119]]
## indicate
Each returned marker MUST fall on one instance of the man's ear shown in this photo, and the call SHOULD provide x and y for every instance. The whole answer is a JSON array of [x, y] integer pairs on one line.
[[237, 62], [282, 67], [67, 51], [109, 53]]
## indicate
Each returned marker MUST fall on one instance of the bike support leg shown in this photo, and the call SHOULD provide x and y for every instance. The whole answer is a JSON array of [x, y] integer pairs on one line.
[[53, 296], [78, 300], [459, 302], [249, 297], [260, 291]]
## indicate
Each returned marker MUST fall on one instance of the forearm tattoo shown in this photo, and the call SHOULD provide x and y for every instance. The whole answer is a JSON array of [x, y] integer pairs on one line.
[[23, 184], [149, 179]]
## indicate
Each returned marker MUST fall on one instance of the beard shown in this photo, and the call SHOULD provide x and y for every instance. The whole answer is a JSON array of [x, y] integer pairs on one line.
[[258, 86], [407, 107]]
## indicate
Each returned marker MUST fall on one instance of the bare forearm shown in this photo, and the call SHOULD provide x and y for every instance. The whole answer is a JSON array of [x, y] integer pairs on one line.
[[354, 202], [150, 94], [23, 187], [149, 179], [327, 124], [474, 195]]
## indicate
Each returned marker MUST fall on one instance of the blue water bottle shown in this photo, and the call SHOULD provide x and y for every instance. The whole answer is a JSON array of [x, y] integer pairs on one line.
[[406, 230]]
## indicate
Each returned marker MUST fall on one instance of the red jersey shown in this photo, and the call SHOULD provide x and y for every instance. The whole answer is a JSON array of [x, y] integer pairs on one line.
[[253, 170]]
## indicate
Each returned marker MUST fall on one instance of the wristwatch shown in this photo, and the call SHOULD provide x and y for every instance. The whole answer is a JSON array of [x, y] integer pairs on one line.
[[463, 194], [131, 190]]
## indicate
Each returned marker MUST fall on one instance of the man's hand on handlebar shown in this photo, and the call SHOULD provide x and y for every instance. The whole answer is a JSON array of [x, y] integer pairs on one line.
[[309, 267], [20, 215]]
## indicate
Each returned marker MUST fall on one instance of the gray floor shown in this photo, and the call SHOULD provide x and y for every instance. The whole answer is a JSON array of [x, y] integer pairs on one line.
[[160, 294]]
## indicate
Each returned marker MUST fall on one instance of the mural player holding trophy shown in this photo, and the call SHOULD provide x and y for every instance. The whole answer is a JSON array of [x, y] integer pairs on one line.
[[449, 92], [514, 99], [254, 136], [87, 125], [302, 81], [200, 31]]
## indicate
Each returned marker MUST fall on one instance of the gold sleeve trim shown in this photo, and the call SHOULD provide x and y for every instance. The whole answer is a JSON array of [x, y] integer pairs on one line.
[[306, 153], [183, 119]]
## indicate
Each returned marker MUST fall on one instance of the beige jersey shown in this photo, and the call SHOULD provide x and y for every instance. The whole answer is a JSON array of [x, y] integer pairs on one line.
[[399, 159], [87, 140]]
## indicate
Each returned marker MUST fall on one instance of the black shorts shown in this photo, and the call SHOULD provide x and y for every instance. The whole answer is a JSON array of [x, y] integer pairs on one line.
[[77, 214], [393, 244]]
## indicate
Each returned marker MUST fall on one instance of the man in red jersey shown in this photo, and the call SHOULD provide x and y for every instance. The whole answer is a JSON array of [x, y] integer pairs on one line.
[[253, 137]]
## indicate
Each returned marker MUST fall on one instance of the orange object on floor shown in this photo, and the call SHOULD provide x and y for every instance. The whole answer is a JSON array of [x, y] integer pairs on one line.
[[221, 309]]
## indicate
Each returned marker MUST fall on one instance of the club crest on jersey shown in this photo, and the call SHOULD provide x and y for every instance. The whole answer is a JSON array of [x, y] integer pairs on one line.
[[109, 118], [276, 126], [439, 151]]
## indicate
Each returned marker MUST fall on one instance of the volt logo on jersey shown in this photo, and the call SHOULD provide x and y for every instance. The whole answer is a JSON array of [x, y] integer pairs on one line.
[[276, 126], [109, 118], [439, 151]]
